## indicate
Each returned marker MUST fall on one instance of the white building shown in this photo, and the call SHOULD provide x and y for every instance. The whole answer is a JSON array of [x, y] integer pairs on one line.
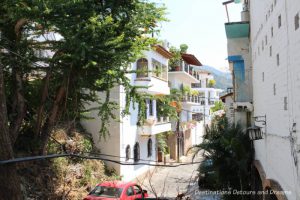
[[273, 47], [195, 107], [208, 94], [127, 140]]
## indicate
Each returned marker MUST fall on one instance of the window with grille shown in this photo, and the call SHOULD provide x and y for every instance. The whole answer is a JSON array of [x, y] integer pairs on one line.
[[142, 68]]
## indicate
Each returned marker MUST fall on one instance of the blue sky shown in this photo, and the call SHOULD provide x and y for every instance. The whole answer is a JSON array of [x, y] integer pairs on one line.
[[200, 25]]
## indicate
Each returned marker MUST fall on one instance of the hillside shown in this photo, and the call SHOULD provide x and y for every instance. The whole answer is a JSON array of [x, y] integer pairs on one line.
[[223, 79]]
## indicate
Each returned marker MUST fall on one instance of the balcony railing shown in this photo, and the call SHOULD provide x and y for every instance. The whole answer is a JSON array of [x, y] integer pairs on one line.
[[191, 98], [184, 67]]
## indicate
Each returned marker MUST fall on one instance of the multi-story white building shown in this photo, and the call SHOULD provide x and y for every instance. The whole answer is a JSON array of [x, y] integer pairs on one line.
[[275, 46], [274, 49], [127, 141], [208, 94], [195, 106]]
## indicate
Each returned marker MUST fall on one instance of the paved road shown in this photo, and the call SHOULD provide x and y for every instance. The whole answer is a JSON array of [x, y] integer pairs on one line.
[[169, 182]]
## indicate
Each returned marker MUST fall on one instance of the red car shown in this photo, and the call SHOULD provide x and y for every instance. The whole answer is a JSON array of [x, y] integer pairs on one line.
[[116, 190]]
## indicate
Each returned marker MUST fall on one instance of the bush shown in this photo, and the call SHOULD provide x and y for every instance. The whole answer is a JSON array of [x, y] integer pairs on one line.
[[227, 149]]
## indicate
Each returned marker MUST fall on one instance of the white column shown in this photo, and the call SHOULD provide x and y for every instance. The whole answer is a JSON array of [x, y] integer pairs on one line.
[[154, 108], [148, 108]]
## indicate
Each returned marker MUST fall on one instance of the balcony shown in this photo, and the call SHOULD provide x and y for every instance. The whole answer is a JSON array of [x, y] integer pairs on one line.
[[155, 126], [151, 77], [184, 72]]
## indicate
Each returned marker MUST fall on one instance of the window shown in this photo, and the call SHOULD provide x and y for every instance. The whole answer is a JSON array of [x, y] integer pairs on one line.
[[279, 21], [137, 189], [149, 145], [272, 6], [274, 89], [263, 76], [130, 191], [142, 68], [270, 51], [297, 21], [266, 39], [285, 107], [262, 45], [150, 104], [277, 59], [159, 70], [272, 31], [136, 152], [128, 150]]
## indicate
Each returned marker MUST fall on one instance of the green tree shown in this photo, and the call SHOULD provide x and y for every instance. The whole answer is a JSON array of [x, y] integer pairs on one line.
[[227, 157], [58, 54], [218, 106]]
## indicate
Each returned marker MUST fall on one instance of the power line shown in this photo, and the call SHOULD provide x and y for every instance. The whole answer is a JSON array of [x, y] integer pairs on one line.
[[103, 154], [33, 158]]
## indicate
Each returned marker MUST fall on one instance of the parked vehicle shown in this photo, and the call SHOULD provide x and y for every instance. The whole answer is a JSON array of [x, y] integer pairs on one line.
[[117, 190]]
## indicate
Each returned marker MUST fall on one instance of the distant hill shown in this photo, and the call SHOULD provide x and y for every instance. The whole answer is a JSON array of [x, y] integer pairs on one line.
[[223, 79]]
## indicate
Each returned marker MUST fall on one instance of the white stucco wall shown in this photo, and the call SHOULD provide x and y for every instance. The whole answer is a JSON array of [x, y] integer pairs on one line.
[[125, 132], [277, 151]]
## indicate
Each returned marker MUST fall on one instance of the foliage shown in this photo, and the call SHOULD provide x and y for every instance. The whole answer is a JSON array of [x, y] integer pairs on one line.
[[218, 106], [211, 83], [162, 139], [164, 107], [60, 54], [175, 60], [195, 92], [186, 90], [228, 149], [183, 48]]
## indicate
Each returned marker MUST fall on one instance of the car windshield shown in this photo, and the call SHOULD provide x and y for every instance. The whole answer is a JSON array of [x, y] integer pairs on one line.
[[103, 191]]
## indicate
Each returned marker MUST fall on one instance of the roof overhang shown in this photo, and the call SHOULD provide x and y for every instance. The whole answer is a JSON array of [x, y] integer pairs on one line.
[[191, 59], [162, 51], [237, 30]]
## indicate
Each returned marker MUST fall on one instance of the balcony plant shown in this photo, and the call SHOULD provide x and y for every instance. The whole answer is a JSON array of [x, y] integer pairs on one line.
[[175, 61], [211, 83]]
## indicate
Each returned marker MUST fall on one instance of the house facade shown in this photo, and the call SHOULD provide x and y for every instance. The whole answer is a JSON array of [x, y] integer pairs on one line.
[[128, 142], [196, 103], [269, 54]]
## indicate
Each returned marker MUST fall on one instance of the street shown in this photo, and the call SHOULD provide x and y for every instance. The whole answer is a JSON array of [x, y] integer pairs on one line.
[[169, 182]]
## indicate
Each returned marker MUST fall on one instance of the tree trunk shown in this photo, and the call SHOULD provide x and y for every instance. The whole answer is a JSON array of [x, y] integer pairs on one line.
[[40, 112], [57, 105], [18, 109], [9, 180]]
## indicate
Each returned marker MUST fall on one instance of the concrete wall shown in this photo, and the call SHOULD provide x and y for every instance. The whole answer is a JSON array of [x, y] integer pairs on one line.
[[273, 85], [240, 46], [110, 145]]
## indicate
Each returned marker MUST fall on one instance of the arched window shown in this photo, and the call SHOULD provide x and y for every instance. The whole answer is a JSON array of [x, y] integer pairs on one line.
[[142, 68], [149, 145], [128, 150], [136, 152]]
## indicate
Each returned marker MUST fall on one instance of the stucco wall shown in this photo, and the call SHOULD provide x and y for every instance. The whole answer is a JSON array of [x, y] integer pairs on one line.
[[272, 84]]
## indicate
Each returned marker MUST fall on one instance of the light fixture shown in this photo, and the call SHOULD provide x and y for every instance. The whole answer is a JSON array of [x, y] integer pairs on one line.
[[254, 133]]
